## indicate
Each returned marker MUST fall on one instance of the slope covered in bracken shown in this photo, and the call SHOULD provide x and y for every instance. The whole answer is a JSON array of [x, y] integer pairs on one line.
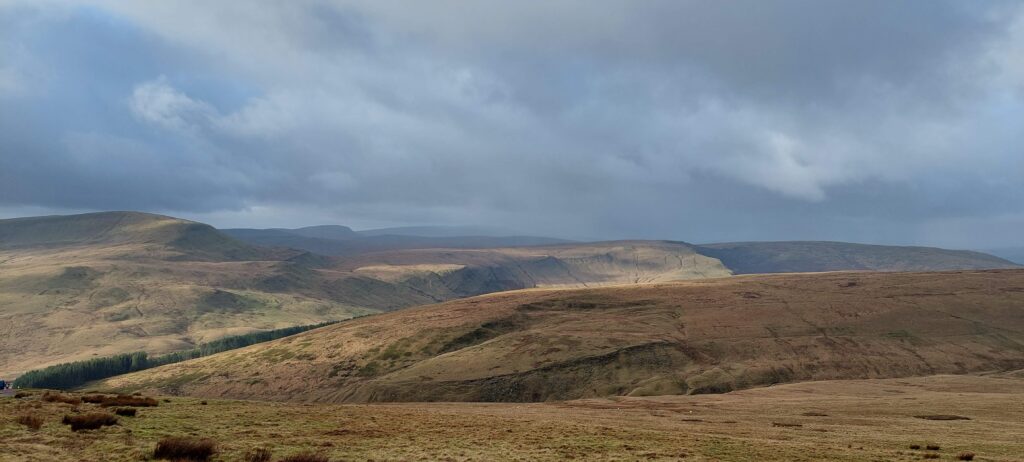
[[675, 338], [75, 287]]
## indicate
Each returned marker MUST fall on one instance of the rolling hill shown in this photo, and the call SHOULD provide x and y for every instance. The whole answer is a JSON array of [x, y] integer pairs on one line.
[[689, 337], [131, 233], [334, 240], [72, 287], [815, 256], [1013, 254]]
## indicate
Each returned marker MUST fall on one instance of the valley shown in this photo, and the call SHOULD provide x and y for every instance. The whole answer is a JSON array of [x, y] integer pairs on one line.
[[80, 286], [692, 337]]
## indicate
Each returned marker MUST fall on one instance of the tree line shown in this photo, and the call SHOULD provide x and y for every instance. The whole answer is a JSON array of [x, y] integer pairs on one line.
[[70, 375]]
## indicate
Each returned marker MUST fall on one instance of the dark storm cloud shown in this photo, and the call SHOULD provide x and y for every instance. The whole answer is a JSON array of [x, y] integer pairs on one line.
[[867, 121]]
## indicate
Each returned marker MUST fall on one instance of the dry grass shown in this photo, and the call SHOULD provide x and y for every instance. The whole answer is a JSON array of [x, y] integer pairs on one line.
[[61, 398], [869, 420], [681, 338], [258, 455], [134, 400], [33, 422], [306, 457], [183, 448], [126, 400], [93, 308], [89, 421]]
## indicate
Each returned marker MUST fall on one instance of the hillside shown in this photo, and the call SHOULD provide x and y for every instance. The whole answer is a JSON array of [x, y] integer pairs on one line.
[[813, 256], [1013, 254], [72, 287], [77, 286], [335, 240], [679, 338], [156, 234], [835, 420], [478, 271]]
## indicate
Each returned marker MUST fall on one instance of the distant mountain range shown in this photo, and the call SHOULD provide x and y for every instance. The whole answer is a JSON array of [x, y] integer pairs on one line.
[[335, 240], [80, 285], [1014, 254]]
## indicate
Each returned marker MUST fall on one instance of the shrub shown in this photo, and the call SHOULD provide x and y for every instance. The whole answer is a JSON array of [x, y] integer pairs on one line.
[[127, 400], [306, 457], [94, 399], [126, 411], [185, 448], [61, 398], [258, 455], [31, 421], [915, 446], [930, 456], [203, 403], [22, 394], [89, 421], [933, 447], [966, 455]]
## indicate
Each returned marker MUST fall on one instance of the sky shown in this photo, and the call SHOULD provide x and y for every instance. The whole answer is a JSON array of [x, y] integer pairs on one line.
[[897, 122]]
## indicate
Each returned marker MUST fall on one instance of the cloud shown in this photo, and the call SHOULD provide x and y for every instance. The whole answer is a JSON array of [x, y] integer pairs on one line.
[[158, 103], [869, 121]]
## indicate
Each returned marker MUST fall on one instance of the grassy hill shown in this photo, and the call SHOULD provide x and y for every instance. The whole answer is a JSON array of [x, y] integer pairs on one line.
[[677, 338], [131, 232], [341, 241], [812, 256], [478, 271], [78, 286], [73, 287]]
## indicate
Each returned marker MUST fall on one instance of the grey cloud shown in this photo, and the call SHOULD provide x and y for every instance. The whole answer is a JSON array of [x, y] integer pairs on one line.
[[866, 121]]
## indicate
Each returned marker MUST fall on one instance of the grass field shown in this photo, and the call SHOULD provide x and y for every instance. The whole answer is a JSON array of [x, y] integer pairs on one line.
[[691, 337], [860, 420]]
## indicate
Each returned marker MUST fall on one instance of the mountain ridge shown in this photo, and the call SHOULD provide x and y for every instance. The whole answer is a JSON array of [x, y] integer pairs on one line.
[[702, 336], [107, 283]]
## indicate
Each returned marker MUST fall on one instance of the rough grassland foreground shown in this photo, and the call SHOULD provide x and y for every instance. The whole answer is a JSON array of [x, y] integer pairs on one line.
[[863, 420]]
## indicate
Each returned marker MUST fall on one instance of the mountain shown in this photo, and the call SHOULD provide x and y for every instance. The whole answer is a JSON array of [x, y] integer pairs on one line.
[[440, 231], [76, 286], [338, 246], [72, 287], [1013, 254], [676, 338], [336, 232], [182, 238], [336, 240], [478, 271], [813, 256]]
